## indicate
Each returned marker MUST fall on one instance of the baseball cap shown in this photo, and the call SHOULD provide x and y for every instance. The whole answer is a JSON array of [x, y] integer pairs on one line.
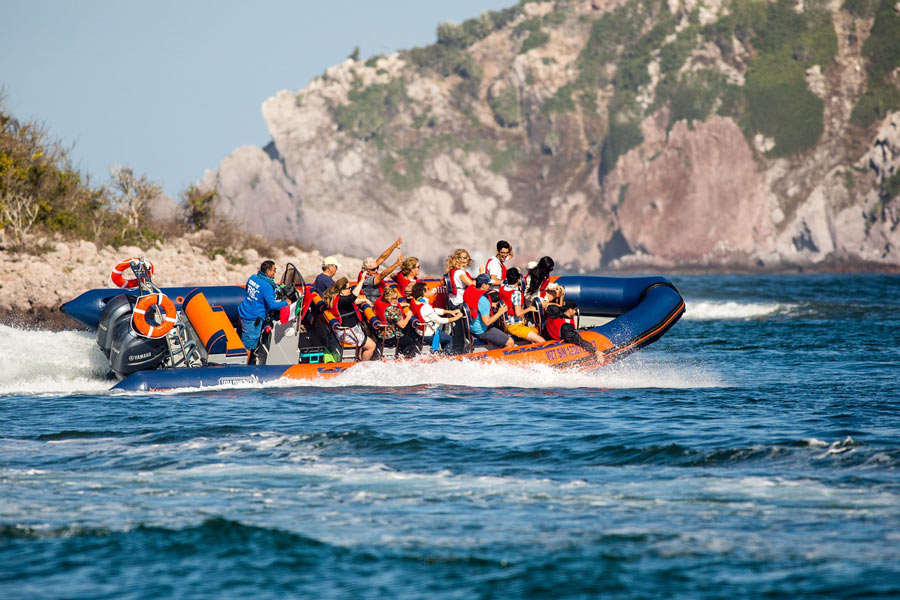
[[331, 260], [482, 279]]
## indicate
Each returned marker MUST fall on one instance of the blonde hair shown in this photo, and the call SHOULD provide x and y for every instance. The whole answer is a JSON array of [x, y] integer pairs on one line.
[[460, 259], [390, 293], [408, 265], [331, 293]]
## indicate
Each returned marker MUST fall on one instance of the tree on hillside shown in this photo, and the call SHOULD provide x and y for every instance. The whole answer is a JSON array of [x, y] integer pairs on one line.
[[135, 195]]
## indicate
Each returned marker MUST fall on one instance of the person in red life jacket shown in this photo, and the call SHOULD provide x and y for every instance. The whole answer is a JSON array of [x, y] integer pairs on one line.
[[482, 316], [538, 279], [561, 326], [343, 302], [511, 295], [431, 318], [409, 274], [388, 309], [456, 279], [494, 265], [373, 281]]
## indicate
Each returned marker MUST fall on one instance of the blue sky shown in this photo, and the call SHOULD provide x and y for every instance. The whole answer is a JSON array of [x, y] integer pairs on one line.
[[170, 88]]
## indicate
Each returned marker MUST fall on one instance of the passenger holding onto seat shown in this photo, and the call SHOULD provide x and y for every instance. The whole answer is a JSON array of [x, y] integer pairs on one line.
[[494, 265], [431, 317], [324, 280], [409, 274], [258, 301], [511, 295], [343, 303], [388, 309], [481, 315], [561, 326], [456, 279]]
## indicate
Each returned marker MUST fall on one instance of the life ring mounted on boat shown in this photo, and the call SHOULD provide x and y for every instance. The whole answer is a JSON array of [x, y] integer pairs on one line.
[[139, 316], [117, 276]]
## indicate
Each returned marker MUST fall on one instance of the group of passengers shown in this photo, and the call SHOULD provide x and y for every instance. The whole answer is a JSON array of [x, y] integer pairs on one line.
[[497, 306]]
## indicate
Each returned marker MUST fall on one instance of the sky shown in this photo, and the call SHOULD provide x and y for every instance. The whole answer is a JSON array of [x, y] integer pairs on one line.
[[169, 88]]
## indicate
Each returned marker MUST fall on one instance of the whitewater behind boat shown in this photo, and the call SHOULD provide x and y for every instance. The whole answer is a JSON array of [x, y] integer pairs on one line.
[[619, 315]]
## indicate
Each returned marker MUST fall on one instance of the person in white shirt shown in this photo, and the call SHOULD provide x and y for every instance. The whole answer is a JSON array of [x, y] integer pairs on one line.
[[494, 265]]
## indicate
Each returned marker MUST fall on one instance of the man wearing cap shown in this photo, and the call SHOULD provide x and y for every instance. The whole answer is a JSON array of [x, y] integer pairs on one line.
[[561, 326], [325, 279], [481, 320]]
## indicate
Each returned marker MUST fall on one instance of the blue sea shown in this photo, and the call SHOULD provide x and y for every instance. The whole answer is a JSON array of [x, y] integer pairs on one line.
[[753, 452]]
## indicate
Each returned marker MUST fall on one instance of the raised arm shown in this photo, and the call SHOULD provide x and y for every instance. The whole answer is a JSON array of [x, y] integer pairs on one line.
[[390, 249], [384, 274]]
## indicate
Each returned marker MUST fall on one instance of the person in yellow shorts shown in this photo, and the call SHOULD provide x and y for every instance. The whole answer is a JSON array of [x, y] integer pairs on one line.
[[511, 294]]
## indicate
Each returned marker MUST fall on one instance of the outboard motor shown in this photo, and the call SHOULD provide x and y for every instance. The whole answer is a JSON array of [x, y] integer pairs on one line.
[[130, 352], [117, 310]]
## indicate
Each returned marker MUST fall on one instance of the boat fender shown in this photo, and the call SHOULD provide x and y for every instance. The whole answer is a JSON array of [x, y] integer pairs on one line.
[[139, 316], [117, 274]]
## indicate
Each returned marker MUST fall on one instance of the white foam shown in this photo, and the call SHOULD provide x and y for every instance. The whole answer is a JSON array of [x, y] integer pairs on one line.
[[712, 310], [48, 362]]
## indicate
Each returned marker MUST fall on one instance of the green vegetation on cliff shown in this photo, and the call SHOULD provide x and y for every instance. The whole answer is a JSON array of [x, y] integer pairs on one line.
[[882, 53]]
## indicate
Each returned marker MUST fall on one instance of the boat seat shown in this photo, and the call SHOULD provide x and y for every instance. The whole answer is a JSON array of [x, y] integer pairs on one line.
[[216, 334]]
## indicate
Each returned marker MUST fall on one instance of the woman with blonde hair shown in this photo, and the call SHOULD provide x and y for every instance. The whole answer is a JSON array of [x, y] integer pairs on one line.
[[343, 303], [456, 280], [409, 273]]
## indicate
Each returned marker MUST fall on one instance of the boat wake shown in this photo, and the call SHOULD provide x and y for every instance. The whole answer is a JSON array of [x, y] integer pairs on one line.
[[70, 362], [713, 310], [51, 362]]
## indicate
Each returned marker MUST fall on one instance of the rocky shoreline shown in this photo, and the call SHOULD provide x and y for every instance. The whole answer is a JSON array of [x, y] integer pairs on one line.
[[32, 287]]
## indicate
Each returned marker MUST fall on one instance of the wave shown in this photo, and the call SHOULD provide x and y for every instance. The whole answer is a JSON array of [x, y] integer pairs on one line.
[[38, 362], [719, 310]]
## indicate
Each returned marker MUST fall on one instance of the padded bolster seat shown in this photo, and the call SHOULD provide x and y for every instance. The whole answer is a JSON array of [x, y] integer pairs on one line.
[[215, 331]]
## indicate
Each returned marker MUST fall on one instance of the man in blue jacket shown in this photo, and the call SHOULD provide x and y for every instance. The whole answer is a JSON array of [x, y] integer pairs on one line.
[[260, 299]]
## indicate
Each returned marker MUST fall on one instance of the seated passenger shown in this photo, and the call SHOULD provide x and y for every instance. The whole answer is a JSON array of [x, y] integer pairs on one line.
[[561, 326], [432, 318], [373, 280], [481, 315], [456, 279], [324, 280], [388, 309], [538, 279], [343, 303], [494, 265], [511, 295], [409, 274], [369, 270]]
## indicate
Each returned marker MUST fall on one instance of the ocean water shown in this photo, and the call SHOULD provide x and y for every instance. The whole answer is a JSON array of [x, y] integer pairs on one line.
[[753, 452]]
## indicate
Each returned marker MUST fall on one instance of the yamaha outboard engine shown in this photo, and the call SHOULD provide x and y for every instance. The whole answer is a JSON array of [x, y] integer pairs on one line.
[[117, 310], [130, 352]]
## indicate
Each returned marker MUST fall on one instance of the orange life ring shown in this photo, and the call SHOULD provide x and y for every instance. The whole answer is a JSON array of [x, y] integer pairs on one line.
[[117, 274], [139, 316]]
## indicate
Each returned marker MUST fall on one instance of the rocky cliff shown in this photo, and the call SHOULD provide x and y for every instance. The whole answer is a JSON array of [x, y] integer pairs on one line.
[[607, 133]]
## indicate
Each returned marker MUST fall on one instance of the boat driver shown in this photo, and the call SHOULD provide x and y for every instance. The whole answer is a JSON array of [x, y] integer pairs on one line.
[[258, 301]]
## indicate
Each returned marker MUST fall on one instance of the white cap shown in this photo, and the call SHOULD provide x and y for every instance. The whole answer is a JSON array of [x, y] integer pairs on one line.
[[532, 264], [331, 260]]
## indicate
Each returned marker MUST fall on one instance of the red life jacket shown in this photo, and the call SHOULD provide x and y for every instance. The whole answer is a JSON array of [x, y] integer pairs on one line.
[[471, 297], [451, 284], [380, 307], [337, 313], [502, 267], [554, 326], [506, 294], [416, 307], [402, 281]]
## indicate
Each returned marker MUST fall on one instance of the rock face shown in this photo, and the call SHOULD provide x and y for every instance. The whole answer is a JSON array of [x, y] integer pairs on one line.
[[528, 125]]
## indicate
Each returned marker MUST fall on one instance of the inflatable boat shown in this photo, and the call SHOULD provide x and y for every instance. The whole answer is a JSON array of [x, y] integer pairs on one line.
[[159, 339]]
